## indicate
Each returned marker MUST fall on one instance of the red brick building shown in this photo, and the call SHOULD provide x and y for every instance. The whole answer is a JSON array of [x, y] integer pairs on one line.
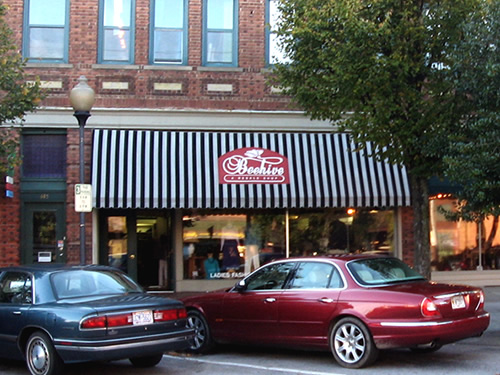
[[180, 148]]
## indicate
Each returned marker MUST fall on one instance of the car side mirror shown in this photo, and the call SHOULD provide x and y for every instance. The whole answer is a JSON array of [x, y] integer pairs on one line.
[[241, 286]]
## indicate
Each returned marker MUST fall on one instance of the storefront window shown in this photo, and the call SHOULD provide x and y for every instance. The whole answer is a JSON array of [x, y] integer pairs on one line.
[[454, 244], [338, 231], [230, 246], [219, 246]]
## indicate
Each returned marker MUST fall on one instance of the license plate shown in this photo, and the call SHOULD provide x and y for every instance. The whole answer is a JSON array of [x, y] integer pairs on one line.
[[142, 317], [457, 302]]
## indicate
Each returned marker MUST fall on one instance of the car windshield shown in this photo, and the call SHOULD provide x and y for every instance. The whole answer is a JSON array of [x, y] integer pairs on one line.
[[380, 271], [82, 283]]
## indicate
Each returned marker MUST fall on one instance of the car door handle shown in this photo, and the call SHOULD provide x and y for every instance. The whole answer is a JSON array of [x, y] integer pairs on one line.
[[325, 300], [269, 300], [16, 312]]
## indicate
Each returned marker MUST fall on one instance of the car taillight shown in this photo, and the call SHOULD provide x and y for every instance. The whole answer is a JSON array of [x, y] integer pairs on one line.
[[182, 313], [480, 303], [120, 320], [166, 315], [94, 322], [429, 309]]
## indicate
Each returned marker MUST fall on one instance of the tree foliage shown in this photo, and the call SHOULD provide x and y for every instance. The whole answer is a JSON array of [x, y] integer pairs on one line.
[[17, 96], [380, 69], [473, 158]]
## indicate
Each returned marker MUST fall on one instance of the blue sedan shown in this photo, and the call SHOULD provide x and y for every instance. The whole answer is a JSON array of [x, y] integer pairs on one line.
[[51, 315]]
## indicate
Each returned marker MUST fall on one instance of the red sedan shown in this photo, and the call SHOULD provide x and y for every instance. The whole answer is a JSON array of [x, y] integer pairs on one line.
[[352, 305]]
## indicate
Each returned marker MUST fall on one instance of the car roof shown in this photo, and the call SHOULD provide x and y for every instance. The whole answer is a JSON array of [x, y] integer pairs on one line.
[[339, 257], [53, 267]]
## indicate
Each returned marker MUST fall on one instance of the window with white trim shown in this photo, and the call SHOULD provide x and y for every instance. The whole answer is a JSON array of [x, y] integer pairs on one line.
[[220, 33], [116, 32], [169, 32], [274, 52], [45, 37]]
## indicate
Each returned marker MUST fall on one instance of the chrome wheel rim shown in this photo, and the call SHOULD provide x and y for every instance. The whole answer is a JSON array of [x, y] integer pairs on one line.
[[38, 357], [350, 343], [200, 331]]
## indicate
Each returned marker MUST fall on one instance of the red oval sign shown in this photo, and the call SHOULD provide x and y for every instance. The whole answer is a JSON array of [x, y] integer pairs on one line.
[[252, 165]]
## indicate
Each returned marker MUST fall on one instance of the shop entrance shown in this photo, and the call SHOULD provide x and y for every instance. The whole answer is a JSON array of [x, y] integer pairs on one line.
[[43, 233], [139, 244]]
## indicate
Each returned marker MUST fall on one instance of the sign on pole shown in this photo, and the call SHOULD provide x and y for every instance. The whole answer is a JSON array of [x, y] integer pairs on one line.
[[83, 198], [9, 186]]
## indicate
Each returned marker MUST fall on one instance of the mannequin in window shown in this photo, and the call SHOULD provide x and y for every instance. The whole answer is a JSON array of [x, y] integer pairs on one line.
[[229, 248], [252, 260], [162, 252], [211, 266]]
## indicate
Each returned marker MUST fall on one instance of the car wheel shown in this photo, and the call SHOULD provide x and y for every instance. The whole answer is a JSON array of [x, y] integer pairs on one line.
[[202, 341], [147, 361], [351, 344], [41, 357]]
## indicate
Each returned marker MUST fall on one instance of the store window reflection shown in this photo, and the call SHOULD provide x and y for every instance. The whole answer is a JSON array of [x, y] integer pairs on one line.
[[220, 246], [339, 231], [230, 246], [454, 244]]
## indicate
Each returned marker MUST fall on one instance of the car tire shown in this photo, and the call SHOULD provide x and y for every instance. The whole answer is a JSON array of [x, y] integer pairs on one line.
[[202, 341], [41, 356], [352, 344], [147, 361]]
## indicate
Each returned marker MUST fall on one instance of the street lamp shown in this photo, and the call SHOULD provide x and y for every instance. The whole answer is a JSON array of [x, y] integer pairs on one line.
[[82, 98]]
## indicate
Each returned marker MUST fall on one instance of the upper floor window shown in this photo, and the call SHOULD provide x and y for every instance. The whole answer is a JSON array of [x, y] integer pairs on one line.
[[274, 53], [45, 37], [44, 156], [169, 32], [220, 44], [116, 33]]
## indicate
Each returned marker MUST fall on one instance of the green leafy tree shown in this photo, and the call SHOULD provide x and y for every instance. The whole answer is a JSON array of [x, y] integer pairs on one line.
[[473, 159], [17, 96], [379, 70]]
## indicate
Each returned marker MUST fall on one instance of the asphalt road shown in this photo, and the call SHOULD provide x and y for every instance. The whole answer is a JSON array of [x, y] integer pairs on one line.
[[472, 356]]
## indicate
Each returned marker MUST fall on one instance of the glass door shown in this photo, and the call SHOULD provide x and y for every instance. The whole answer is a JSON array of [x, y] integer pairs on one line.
[[44, 233], [140, 244], [120, 240]]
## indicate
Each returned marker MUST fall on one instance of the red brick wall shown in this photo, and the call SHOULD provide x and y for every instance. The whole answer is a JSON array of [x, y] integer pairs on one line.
[[250, 92], [10, 223], [73, 177], [249, 82]]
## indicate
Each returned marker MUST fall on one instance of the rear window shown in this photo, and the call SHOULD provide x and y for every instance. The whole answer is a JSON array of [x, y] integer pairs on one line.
[[82, 283], [380, 271]]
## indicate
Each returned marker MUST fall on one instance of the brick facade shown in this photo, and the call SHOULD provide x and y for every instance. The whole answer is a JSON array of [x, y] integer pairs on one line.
[[145, 86], [250, 91], [10, 225]]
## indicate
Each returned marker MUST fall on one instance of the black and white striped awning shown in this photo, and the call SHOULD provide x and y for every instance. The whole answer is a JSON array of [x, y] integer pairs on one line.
[[166, 169]]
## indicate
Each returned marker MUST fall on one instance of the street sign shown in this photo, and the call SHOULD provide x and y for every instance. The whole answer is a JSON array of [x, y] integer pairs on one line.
[[9, 186], [83, 198]]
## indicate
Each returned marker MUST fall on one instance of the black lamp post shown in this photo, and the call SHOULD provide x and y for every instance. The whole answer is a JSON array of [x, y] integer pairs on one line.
[[82, 98]]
